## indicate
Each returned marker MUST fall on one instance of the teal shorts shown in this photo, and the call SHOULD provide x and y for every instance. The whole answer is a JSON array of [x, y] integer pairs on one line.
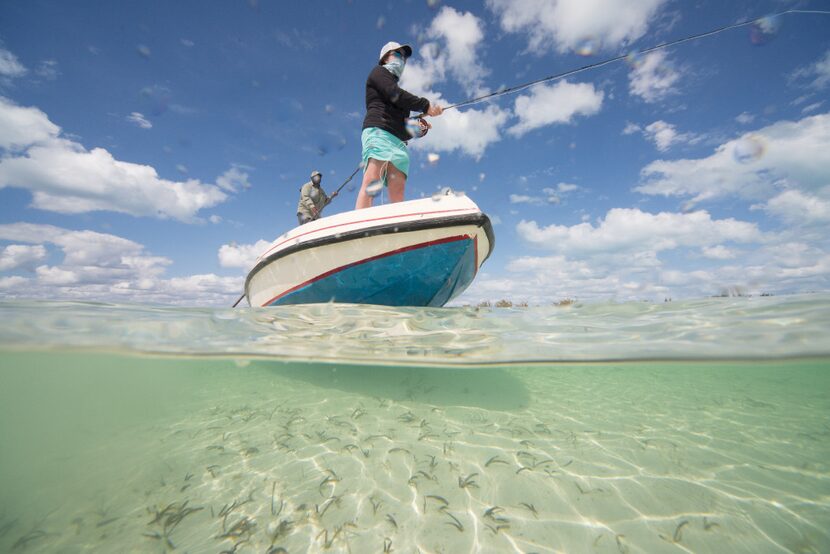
[[386, 147]]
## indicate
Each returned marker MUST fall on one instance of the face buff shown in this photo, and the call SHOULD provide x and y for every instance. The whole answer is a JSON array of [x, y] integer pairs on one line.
[[395, 66]]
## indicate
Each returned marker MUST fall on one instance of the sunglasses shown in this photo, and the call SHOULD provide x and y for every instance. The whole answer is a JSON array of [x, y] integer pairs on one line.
[[397, 54]]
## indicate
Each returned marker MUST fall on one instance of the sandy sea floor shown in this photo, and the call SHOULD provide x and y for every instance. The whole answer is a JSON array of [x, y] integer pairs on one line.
[[127, 454]]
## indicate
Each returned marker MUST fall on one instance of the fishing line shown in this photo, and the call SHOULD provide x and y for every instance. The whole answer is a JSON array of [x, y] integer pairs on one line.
[[595, 65]]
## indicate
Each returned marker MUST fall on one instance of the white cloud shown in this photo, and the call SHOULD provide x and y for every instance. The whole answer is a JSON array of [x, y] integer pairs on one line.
[[21, 127], [785, 154], [13, 283], [799, 208], [10, 66], [566, 24], [812, 107], [745, 118], [653, 78], [717, 252], [469, 131], [138, 119], [626, 230], [558, 103], [632, 254], [48, 69], [187, 42], [105, 267], [550, 195], [663, 135], [65, 177], [233, 180], [818, 73], [20, 255], [462, 35], [241, 255], [631, 128]]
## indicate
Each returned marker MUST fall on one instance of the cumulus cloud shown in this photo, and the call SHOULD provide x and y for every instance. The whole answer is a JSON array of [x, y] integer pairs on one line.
[[241, 255], [20, 255], [10, 67], [566, 24], [65, 177], [21, 127], [631, 254], [798, 208], [100, 266], [233, 180], [654, 78], [469, 131], [717, 252], [557, 103], [138, 119], [627, 230], [461, 35], [786, 154], [663, 135]]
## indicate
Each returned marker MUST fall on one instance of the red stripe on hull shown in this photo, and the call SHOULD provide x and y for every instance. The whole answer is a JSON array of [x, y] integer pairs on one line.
[[379, 256]]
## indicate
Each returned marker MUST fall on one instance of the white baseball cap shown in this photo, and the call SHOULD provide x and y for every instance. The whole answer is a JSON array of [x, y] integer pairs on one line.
[[392, 45]]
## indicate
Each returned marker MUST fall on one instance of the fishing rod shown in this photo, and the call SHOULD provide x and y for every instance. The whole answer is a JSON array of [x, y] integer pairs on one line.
[[346, 182], [629, 55]]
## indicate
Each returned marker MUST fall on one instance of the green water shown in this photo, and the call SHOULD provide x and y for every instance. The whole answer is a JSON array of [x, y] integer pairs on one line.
[[111, 449]]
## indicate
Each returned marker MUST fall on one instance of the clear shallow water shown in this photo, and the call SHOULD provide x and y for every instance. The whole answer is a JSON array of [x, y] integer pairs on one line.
[[697, 426]]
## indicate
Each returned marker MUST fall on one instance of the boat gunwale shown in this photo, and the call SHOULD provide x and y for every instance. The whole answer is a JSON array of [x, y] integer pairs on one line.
[[479, 219]]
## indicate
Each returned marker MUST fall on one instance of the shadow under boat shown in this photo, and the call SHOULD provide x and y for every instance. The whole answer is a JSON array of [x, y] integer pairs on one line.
[[492, 388]]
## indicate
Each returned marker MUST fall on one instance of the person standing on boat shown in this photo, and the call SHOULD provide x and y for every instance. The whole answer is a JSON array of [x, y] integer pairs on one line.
[[385, 158], [312, 199]]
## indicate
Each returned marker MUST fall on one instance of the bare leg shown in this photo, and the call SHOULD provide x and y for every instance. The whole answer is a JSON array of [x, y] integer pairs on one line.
[[396, 181], [371, 173]]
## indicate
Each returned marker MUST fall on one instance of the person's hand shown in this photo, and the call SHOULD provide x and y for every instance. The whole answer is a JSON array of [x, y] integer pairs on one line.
[[314, 212], [435, 110]]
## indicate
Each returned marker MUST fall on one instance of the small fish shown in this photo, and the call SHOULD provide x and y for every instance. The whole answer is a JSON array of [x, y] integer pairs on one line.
[[495, 460]]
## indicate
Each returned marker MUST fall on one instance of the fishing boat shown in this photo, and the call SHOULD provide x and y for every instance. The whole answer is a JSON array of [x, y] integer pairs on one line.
[[416, 253]]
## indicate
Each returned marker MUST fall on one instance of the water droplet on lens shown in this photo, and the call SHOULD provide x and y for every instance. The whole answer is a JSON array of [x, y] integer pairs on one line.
[[433, 158], [634, 59], [586, 47], [748, 149], [763, 30], [374, 188], [413, 127]]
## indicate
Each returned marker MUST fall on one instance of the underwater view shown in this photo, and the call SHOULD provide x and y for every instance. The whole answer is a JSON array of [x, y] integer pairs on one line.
[[698, 426]]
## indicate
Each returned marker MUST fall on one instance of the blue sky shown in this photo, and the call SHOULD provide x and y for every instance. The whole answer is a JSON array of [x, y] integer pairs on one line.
[[149, 150]]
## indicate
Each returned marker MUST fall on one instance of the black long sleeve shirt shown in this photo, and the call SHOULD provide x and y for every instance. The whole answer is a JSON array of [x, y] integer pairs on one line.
[[388, 105]]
